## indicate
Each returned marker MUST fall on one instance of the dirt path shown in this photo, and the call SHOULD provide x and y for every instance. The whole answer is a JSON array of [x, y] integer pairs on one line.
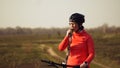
[[101, 65], [52, 53]]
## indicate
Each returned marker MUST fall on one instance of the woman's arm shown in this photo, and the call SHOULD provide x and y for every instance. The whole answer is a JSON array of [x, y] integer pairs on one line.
[[63, 43], [91, 51]]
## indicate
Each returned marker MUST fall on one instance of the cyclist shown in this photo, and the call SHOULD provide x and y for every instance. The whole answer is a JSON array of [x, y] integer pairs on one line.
[[81, 43]]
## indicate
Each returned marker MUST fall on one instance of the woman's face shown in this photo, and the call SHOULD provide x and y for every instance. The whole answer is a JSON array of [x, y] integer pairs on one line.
[[73, 26]]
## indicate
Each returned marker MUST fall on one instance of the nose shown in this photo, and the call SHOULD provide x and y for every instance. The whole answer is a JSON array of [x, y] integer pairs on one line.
[[71, 26]]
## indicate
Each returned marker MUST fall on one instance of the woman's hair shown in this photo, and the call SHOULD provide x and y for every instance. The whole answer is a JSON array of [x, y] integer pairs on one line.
[[77, 18]]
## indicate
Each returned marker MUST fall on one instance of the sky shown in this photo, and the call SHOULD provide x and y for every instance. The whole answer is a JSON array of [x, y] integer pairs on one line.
[[56, 13]]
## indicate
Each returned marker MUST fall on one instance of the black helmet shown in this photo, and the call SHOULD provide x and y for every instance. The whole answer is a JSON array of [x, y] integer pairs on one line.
[[77, 18]]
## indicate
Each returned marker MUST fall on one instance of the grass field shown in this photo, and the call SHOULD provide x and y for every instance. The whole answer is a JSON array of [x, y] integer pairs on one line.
[[23, 51]]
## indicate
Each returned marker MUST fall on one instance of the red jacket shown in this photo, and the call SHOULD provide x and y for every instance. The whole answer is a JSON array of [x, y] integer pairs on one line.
[[81, 48]]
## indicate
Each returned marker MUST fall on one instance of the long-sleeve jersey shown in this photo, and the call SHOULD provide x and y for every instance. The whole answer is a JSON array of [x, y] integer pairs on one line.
[[81, 48]]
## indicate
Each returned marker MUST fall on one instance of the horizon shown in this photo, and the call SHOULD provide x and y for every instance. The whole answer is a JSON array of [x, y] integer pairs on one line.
[[59, 27]]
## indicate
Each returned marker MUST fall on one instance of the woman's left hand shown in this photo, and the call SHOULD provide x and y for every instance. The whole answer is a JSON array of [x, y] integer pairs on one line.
[[83, 65]]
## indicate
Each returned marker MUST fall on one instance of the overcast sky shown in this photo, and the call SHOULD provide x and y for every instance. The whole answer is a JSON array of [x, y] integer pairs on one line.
[[55, 13]]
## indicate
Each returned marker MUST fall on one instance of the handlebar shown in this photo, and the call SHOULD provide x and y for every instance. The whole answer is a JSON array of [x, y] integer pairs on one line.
[[59, 64]]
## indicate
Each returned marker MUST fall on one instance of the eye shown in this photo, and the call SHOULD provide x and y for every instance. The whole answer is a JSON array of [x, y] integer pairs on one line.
[[69, 23], [72, 23]]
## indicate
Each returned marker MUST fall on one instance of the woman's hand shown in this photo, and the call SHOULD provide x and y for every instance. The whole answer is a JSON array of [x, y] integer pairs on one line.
[[83, 65], [69, 32]]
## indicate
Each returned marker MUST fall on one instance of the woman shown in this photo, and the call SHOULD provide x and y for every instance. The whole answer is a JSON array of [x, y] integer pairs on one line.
[[81, 44]]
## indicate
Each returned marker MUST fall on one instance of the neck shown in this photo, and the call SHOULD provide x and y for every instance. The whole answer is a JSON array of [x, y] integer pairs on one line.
[[79, 30]]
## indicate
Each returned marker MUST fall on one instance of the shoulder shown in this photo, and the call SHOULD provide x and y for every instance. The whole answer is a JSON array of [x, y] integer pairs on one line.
[[87, 34]]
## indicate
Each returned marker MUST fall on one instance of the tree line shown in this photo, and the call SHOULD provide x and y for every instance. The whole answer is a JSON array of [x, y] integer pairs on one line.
[[54, 31]]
